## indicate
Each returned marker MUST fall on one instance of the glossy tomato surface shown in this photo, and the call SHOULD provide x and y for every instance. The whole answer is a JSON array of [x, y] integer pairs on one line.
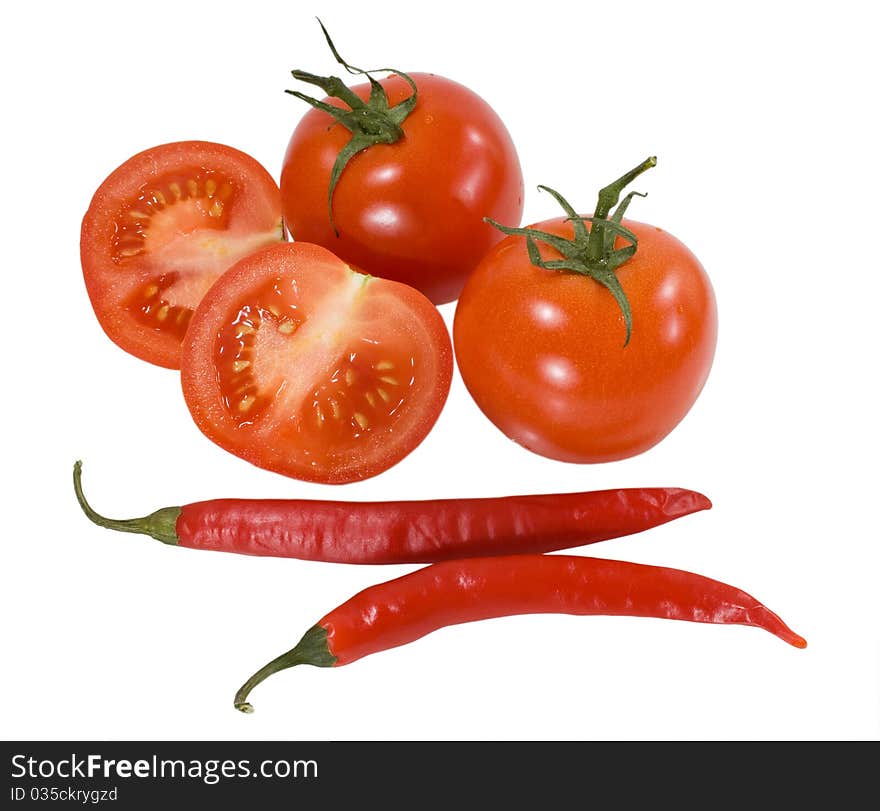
[[301, 365], [413, 210], [542, 351], [159, 231]]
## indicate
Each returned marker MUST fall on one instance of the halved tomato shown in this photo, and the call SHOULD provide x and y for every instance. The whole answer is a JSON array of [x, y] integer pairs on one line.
[[300, 364], [161, 229]]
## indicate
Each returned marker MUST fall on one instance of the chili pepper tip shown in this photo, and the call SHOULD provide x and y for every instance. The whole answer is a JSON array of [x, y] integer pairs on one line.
[[776, 626], [797, 641]]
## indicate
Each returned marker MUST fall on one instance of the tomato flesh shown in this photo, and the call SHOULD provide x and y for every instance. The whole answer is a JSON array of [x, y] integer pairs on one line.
[[542, 351], [369, 385], [301, 365], [161, 229]]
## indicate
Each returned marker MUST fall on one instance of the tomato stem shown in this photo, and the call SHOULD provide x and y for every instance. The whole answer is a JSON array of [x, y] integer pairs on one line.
[[312, 649], [608, 198], [161, 524], [592, 251], [370, 122]]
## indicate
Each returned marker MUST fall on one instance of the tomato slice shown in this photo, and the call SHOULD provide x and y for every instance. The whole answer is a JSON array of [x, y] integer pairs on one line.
[[301, 365], [161, 229]]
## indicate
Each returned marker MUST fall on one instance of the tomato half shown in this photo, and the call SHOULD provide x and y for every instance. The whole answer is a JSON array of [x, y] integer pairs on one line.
[[161, 229], [412, 210], [301, 365], [542, 351]]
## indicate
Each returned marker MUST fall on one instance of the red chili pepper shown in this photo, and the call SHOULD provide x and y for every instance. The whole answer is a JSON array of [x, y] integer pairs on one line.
[[407, 531], [402, 610]]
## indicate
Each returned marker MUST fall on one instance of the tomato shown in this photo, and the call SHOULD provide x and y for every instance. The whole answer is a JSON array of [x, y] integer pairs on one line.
[[411, 210], [544, 354], [161, 228], [301, 365]]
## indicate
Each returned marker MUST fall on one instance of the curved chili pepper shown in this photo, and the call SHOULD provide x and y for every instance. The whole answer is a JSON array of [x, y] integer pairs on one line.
[[402, 610], [407, 531]]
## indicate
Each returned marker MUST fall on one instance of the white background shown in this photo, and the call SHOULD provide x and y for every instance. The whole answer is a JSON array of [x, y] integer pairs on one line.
[[761, 116]]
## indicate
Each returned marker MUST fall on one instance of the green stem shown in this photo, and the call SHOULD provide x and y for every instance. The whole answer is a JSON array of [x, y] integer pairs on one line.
[[161, 525], [592, 252], [370, 122], [608, 198], [312, 649]]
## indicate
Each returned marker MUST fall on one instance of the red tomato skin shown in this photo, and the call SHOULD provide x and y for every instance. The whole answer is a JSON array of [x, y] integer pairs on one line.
[[542, 351], [411, 211], [398, 309], [259, 204]]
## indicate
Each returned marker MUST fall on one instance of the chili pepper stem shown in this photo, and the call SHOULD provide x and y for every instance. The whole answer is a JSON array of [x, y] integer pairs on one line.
[[312, 649], [161, 525]]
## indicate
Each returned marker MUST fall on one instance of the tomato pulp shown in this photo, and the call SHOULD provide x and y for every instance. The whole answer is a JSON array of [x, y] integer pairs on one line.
[[413, 210], [160, 230], [542, 351], [301, 365]]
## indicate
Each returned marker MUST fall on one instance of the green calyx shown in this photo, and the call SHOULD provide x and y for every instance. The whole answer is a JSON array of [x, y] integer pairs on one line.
[[370, 122], [592, 251], [161, 525], [312, 649]]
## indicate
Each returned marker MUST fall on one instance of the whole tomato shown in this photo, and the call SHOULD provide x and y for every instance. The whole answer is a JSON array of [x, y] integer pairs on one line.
[[396, 176], [587, 346]]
